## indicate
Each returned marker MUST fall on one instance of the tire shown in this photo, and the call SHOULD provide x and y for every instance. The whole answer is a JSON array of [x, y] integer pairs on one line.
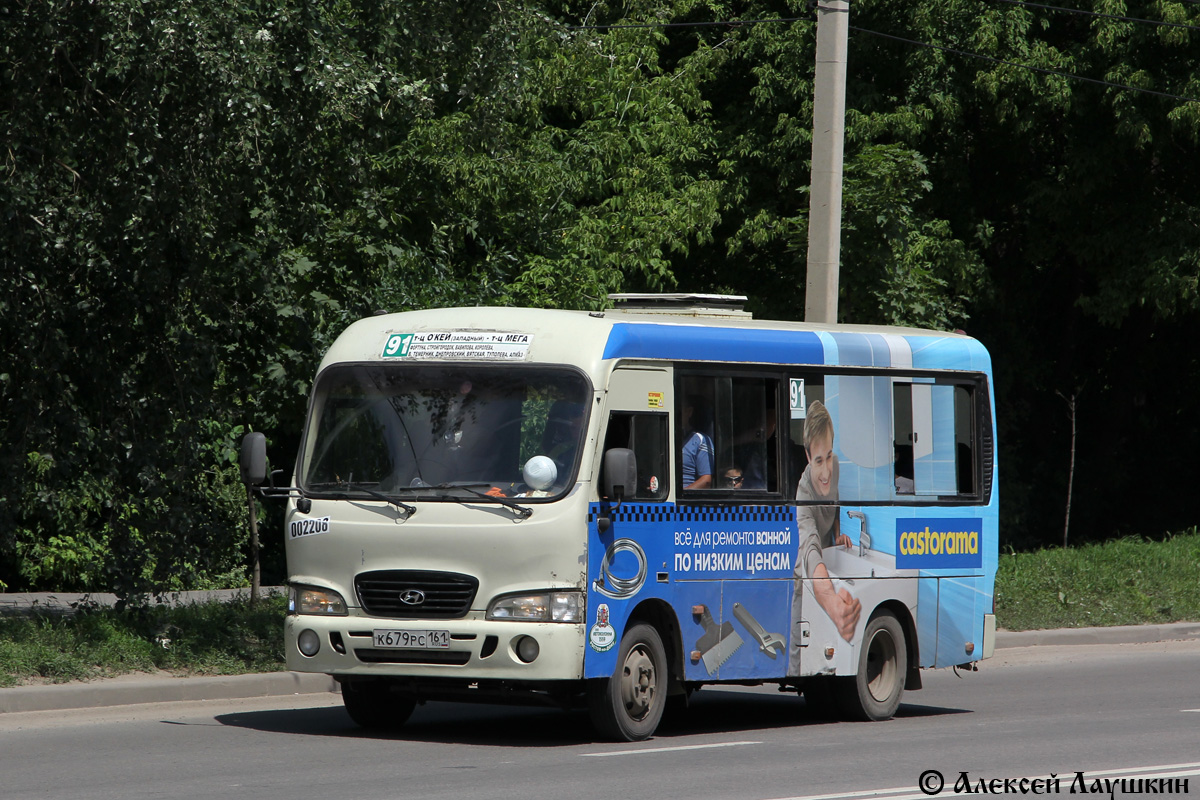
[[628, 706], [374, 706], [874, 692]]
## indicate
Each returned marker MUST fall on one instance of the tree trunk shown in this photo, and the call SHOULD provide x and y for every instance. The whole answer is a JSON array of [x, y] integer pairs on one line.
[[1071, 471]]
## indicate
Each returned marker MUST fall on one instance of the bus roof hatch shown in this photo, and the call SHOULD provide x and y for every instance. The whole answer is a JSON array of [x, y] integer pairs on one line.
[[687, 304]]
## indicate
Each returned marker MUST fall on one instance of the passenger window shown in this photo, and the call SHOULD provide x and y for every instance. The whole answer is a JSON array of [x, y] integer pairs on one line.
[[815, 441], [803, 392], [727, 434], [902, 441], [934, 439]]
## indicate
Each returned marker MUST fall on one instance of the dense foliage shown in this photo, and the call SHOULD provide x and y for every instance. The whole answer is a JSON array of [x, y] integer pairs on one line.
[[197, 197], [89, 641]]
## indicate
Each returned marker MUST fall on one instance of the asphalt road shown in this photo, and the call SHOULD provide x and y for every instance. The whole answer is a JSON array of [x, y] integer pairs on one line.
[[1105, 710]]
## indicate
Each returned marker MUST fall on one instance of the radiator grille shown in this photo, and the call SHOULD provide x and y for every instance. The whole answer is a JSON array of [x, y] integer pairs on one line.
[[430, 595], [454, 658]]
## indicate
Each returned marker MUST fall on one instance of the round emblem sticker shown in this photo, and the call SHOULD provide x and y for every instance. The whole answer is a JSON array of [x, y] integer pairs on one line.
[[602, 636]]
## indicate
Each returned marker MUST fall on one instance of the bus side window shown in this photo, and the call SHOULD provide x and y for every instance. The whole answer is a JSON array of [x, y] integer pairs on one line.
[[727, 433], [747, 444], [902, 439], [803, 391], [646, 435], [934, 432], [964, 435]]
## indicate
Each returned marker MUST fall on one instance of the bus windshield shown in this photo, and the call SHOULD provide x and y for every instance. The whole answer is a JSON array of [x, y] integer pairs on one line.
[[422, 430]]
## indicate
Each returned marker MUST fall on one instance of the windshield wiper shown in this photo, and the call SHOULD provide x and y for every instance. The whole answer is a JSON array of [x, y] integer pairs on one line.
[[472, 488], [358, 487]]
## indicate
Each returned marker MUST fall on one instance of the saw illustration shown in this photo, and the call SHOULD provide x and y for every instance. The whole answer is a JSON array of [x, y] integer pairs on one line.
[[717, 643]]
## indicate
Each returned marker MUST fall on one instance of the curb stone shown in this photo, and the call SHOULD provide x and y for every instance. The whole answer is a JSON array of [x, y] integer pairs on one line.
[[1117, 634], [120, 692]]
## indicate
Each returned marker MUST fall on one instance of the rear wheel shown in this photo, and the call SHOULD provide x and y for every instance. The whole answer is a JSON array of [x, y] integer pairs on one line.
[[628, 706], [874, 693], [373, 704]]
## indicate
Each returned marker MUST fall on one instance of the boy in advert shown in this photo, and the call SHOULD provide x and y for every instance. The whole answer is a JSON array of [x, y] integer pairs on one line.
[[818, 528]]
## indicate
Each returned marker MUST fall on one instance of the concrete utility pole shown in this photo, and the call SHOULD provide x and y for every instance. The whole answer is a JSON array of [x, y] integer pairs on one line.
[[829, 134]]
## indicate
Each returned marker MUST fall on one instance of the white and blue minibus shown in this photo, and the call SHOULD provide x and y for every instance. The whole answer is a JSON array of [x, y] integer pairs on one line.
[[610, 510]]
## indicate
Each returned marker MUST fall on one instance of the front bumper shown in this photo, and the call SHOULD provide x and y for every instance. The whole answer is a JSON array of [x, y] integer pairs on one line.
[[479, 649]]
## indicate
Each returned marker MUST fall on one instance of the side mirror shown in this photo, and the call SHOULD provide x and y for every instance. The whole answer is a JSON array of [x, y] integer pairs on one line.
[[620, 473], [254, 459]]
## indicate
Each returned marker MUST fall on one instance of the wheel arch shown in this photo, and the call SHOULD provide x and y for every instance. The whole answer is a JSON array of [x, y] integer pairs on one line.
[[659, 614], [912, 673]]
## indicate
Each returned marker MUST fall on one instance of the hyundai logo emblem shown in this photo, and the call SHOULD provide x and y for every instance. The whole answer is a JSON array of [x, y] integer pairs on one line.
[[412, 597]]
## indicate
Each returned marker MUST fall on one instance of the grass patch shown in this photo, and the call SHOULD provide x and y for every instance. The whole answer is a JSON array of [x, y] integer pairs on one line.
[[212, 638], [1128, 581]]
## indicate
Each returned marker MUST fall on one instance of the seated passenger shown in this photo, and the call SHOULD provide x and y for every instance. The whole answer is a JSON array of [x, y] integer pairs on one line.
[[697, 448], [733, 479]]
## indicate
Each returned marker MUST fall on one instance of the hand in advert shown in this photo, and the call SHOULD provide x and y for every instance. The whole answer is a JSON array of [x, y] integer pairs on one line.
[[841, 606], [848, 610]]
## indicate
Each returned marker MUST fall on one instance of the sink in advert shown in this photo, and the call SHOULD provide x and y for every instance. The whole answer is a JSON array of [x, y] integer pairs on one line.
[[868, 575], [851, 562]]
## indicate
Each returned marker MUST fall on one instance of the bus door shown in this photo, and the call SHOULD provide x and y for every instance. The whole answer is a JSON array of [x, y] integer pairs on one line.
[[631, 554]]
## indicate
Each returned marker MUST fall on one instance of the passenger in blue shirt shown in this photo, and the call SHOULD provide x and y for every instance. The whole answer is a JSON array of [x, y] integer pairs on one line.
[[697, 452]]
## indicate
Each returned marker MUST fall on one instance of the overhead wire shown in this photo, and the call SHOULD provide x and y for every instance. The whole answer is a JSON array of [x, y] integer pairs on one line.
[[956, 51], [715, 23], [737, 22], [1083, 12], [1029, 67]]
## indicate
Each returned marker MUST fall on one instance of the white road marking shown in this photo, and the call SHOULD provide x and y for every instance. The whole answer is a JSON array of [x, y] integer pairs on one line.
[[897, 793], [1195, 765], [666, 749]]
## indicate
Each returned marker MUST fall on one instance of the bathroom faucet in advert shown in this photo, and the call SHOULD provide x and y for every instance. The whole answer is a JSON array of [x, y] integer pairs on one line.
[[864, 538]]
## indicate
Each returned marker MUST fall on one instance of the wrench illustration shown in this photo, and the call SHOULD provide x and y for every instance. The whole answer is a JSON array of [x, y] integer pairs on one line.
[[769, 643]]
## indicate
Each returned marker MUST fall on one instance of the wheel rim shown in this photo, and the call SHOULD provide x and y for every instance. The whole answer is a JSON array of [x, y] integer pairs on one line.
[[638, 682], [881, 666]]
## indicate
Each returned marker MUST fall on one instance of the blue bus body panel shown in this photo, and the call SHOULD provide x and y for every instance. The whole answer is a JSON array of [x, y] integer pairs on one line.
[[766, 346], [695, 343], [689, 556], [736, 564]]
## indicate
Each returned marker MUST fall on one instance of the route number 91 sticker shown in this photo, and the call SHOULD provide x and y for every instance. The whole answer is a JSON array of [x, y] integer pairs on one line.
[[309, 526]]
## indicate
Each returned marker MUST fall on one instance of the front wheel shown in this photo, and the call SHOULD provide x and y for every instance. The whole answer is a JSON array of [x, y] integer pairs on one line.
[[628, 706], [874, 692]]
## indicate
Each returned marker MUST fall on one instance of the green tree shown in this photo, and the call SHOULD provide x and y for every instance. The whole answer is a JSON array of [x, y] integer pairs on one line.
[[167, 166], [1053, 216], [198, 197], [553, 188]]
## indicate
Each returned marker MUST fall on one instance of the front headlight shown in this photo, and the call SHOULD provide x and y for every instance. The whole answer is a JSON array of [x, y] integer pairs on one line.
[[311, 600], [539, 607]]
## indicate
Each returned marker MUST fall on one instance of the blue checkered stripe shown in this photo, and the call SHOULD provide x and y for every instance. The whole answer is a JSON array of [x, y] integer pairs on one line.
[[669, 512]]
